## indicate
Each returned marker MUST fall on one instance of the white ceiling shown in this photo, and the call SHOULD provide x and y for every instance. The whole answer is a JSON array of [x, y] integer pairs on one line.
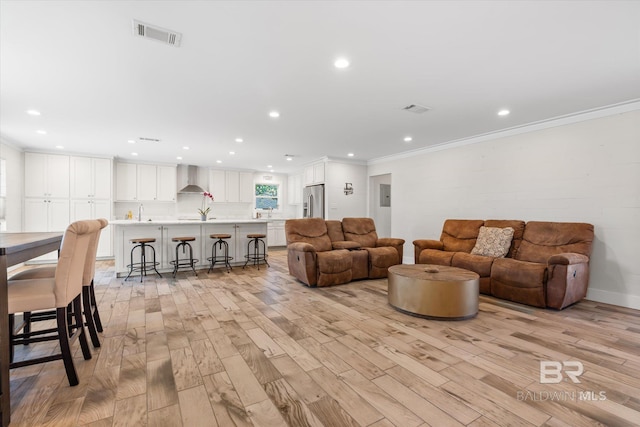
[[98, 86]]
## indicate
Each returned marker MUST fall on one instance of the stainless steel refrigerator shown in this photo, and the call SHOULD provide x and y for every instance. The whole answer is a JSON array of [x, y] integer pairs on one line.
[[313, 201]]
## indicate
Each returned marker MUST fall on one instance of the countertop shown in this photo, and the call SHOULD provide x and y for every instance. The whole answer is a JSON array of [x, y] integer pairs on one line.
[[126, 222]]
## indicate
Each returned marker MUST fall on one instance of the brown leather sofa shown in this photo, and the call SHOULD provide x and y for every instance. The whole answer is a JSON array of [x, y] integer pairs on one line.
[[325, 253], [547, 264]]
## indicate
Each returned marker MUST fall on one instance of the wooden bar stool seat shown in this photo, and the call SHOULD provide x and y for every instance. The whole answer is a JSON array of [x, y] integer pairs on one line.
[[189, 262], [142, 243], [257, 256], [221, 245]]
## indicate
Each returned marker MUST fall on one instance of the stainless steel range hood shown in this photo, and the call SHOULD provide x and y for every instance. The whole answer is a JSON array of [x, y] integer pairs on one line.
[[189, 175]]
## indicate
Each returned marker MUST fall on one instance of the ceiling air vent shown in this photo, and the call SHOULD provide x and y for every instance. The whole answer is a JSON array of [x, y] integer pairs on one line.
[[416, 108], [156, 33]]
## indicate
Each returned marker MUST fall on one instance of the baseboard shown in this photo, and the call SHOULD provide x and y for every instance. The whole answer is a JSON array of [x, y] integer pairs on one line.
[[615, 298]]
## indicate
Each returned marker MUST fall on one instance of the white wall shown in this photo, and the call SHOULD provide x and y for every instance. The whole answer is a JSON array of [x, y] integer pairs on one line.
[[15, 186], [380, 214], [339, 205], [585, 171]]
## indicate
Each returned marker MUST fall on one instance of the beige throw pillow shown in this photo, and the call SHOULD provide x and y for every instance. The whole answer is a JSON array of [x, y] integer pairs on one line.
[[493, 241]]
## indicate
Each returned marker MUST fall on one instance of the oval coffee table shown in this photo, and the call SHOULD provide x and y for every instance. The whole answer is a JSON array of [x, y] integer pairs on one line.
[[434, 291]]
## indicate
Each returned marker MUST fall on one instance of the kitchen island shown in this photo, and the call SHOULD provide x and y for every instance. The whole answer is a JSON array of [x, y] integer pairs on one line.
[[164, 230]]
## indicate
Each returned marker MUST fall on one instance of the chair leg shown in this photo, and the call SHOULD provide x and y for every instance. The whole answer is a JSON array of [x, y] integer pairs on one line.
[[88, 316], [12, 325], [82, 335], [94, 309], [65, 348]]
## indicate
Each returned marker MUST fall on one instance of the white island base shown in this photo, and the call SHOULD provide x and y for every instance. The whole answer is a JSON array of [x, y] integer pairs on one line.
[[164, 231]]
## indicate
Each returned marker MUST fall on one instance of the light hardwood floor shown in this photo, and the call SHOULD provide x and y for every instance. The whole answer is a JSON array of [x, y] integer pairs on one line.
[[259, 348]]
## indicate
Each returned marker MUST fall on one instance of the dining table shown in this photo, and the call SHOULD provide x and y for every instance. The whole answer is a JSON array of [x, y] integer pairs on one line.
[[16, 248]]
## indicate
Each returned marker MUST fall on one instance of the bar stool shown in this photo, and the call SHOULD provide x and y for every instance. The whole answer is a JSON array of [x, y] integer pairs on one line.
[[257, 256], [184, 262], [143, 265], [224, 248]]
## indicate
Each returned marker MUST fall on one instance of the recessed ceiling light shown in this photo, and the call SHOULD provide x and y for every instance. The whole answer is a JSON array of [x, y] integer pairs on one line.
[[503, 112], [218, 161], [33, 112], [289, 159], [131, 141], [231, 153], [41, 132], [274, 114], [408, 139], [270, 170], [239, 140], [269, 166], [341, 63], [134, 154], [59, 147], [185, 148], [350, 154], [178, 158]]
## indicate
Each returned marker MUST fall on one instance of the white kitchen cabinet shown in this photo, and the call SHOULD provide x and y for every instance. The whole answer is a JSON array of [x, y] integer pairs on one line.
[[144, 183], [90, 178], [314, 174], [94, 209], [294, 189], [231, 186], [126, 182], [46, 175], [246, 187], [43, 214], [166, 180], [275, 233]]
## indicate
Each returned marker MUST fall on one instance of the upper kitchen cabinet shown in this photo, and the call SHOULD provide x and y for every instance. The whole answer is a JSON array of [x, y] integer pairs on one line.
[[90, 178], [144, 183], [46, 175], [231, 186], [294, 187], [314, 174]]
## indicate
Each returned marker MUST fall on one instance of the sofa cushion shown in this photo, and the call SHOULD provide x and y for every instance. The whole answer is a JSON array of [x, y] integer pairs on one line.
[[493, 242], [435, 256], [334, 267], [459, 235], [334, 229], [361, 230], [345, 244], [541, 240], [519, 281], [380, 259], [477, 263], [308, 230]]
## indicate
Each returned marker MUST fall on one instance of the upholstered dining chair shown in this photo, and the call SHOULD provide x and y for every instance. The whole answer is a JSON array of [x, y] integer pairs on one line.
[[58, 293], [89, 305]]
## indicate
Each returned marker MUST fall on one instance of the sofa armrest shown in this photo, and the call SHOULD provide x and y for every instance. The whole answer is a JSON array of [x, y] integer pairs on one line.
[[392, 242], [568, 279], [567, 258], [422, 244], [389, 241], [301, 247]]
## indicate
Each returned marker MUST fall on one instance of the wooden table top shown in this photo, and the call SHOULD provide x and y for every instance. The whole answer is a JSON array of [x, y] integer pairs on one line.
[[433, 272]]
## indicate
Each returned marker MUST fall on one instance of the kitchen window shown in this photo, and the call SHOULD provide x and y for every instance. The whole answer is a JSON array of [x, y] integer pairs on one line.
[[267, 196]]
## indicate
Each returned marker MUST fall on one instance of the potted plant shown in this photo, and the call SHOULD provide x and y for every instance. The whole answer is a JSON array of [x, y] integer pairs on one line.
[[207, 198]]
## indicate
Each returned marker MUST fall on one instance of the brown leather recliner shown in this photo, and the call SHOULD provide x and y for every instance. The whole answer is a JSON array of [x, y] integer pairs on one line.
[[383, 252], [549, 269], [324, 253], [310, 255]]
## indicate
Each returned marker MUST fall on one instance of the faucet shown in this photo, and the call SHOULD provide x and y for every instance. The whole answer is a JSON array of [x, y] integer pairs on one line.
[[140, 210], [270, 211]]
